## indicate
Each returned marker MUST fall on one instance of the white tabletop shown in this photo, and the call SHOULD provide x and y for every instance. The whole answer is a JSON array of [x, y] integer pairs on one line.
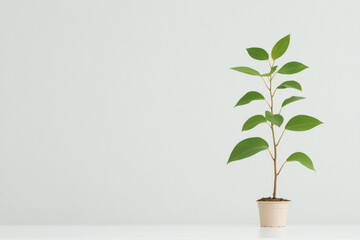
[[169, 232]]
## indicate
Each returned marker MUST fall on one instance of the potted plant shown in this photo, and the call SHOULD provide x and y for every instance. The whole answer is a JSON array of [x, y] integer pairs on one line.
[[273, 210]]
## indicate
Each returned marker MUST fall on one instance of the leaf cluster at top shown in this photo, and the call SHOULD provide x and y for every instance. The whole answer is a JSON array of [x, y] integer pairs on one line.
[[251, 146]]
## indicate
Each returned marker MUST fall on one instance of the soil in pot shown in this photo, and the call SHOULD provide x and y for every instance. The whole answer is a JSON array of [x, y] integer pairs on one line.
[[270, 199]]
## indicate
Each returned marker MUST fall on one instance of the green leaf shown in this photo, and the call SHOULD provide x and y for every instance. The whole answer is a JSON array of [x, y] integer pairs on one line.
[[275, 119], [301, 158], [302, 123], [273, 69], [249, 97], [290, 84], [280, 47], [258, 53], [247, 70], [248, 148], [292, 67], [253, 122], [290, 100]]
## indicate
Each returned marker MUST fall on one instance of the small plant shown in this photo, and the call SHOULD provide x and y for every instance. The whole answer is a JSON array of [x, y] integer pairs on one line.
[[251, 146]]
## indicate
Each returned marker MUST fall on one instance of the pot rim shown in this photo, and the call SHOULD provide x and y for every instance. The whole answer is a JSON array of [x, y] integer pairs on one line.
[[277, 202]]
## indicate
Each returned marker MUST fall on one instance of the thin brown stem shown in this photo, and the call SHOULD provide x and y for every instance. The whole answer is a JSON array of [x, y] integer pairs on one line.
[[269, 64], [275, 156], [271, 154], [274, 75], [271, 106], [273, 136], [281, 168], [280, 137], [268, 103], [264, 82], [280, 110], [274, 92]]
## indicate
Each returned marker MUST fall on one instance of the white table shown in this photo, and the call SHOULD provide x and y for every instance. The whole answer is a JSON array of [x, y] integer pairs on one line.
[[178, 232]]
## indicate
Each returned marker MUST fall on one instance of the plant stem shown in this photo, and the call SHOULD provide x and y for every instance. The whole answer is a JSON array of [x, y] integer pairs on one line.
[[271, 154], [280, 110], [265, 83], [271, 106], [268, 103], [281, 168], [280, 138], [273, 134], [275, 156]]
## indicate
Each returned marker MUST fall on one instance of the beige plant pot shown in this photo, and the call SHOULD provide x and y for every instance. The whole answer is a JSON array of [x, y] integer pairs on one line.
[[273, 214]]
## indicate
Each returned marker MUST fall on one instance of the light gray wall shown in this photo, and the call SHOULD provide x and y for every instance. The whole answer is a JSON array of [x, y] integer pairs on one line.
[[121, 112]]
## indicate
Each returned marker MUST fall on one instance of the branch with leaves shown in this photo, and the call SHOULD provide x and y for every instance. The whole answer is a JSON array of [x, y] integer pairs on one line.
[[250, 146]]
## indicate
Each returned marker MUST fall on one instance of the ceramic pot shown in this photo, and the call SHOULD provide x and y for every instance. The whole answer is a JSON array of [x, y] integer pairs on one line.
[[273, 214]]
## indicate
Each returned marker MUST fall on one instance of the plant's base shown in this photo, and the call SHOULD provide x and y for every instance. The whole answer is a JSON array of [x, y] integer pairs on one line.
[[270, 199], [273, 213]]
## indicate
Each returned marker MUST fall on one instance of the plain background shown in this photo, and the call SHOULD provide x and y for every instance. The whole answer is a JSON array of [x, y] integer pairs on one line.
[[121, 112]]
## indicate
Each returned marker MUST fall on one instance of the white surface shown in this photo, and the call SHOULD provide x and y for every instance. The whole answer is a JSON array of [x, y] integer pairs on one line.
[[121, 112], [181, 232]]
